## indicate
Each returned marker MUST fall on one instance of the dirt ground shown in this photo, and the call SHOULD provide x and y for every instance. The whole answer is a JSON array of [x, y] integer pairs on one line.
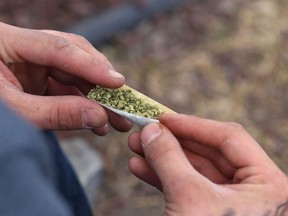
[[224, 59]]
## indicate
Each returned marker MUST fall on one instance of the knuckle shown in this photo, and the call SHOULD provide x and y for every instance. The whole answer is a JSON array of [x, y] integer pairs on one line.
[[233, 131], [234, 126], [59, 43], [80, 38], [58, 119], [52, 117]]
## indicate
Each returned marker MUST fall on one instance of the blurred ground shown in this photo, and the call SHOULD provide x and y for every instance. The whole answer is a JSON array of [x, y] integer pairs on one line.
[[224, 59]]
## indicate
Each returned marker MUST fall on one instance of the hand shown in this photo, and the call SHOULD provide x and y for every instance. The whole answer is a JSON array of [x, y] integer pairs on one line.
[[206, 167], [35, 63]]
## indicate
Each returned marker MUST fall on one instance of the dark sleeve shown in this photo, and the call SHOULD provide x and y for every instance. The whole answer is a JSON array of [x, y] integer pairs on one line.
[[31, 182]]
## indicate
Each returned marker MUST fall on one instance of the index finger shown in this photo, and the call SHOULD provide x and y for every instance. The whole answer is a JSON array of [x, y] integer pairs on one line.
[[229, 138], [42, 48]]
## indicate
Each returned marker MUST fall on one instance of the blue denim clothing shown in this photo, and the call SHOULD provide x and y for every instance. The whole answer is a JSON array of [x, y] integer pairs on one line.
[[35, 176]]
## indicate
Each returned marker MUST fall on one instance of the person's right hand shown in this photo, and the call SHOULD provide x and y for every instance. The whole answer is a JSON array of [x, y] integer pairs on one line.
[[205, 167]]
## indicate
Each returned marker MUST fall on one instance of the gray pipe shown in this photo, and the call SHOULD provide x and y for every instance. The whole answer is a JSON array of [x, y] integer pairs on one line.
[[104, 26]]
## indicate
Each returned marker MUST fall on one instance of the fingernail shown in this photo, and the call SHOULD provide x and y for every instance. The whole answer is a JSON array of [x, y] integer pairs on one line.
[[106, 128], [101, 131], [115, 74], [91, 118], [150, 133]]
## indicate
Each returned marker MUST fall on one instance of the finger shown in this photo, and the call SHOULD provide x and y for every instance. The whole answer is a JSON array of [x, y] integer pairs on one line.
[[200, 156], [134, 143], [140, 168], [166, 157], [202, 164], [33, 78], [229, 138], [52, 50], [57, 112], [82, 43], [190, 148]]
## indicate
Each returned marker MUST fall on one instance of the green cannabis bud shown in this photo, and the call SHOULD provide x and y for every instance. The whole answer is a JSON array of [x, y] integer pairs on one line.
[[124, 100]]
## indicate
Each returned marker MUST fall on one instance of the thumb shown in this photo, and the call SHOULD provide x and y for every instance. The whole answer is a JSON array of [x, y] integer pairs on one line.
[[70, 113], [167, 158], [58, 112]]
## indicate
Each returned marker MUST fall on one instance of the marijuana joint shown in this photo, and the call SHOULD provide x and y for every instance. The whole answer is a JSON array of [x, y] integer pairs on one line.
[[125, 100]]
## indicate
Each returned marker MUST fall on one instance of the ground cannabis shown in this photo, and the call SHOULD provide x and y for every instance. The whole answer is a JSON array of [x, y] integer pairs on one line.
[[124, 100]]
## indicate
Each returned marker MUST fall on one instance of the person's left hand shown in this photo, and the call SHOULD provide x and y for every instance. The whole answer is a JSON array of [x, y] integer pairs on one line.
[[35, 64]]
